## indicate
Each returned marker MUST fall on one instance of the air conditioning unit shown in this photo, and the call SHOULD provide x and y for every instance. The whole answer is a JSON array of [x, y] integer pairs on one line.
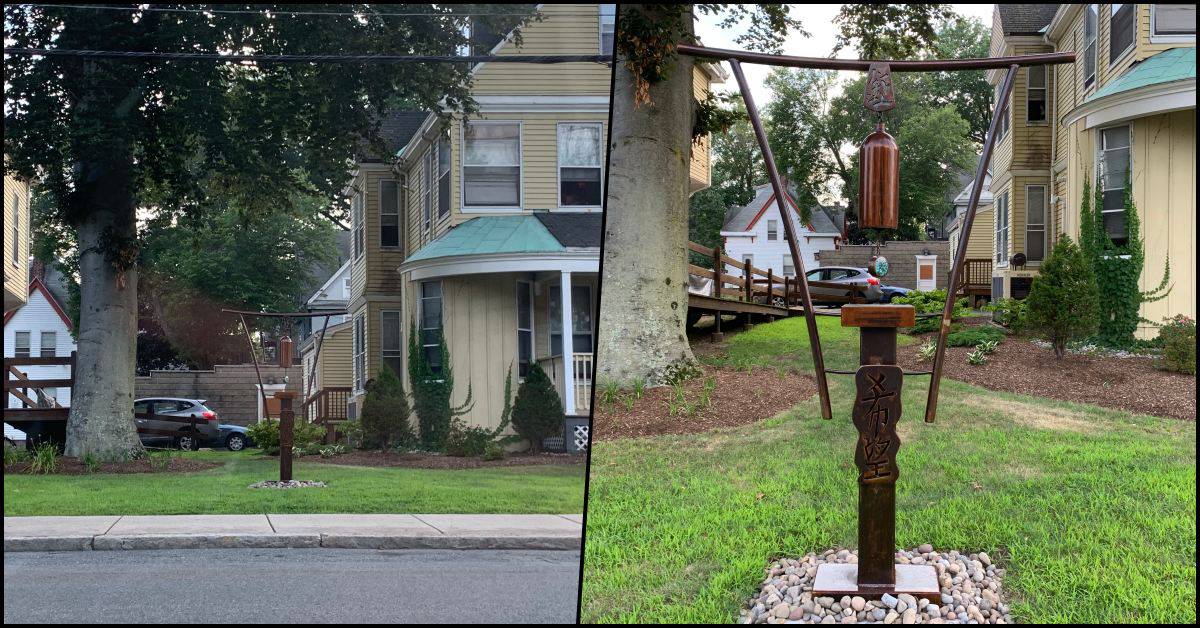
[[352, 410]]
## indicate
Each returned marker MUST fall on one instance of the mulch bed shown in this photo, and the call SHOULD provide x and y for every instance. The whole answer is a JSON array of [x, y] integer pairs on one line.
[[74, 466], [1019, 366], [740, 397], [433, 461]]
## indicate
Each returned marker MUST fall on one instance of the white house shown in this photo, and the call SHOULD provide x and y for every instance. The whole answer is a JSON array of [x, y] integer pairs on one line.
[[41, 328], [333, 295], [755, 233]]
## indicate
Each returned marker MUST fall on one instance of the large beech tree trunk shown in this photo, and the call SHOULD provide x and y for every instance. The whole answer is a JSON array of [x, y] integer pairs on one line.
[[643, 312], [101, 417]]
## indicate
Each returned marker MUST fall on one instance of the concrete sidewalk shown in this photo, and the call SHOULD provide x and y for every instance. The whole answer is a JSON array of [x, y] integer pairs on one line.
[[41, 534]]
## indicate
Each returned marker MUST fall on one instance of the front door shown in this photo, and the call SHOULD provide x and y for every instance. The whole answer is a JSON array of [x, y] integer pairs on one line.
[[926, 272]]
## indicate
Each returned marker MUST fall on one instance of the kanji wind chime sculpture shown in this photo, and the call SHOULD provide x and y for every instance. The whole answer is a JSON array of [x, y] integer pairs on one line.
[[876, 407]]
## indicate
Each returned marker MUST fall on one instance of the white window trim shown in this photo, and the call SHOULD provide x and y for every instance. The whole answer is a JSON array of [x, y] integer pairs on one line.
[[999, 253], [16, 229], [600, 29], [28, 344], [1045, 88], [462, 164], [399, 351], [528, 286], [421, 298], [428, 169], [776, 230], [559, 166], [1087, 87], [399, 246], [359, 349], [1128, 51], [550, 317], [42, 343], [1044, 223], [784, 264], [1155, 38], [448, 135], [1100, 151], [359, 218]]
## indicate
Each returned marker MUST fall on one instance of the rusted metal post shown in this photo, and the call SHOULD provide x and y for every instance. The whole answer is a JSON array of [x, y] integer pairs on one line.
[[960, 254], [781, 200], [287, 421]]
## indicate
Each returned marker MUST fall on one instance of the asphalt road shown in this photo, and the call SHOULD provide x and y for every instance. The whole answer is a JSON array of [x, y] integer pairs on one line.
[[291, 586]]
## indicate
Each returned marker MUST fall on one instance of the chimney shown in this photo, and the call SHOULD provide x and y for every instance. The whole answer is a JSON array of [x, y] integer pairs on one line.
[[37, 270]]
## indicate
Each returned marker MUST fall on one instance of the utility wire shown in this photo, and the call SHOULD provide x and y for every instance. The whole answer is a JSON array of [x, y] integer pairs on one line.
[[267, 9], [294, 58]]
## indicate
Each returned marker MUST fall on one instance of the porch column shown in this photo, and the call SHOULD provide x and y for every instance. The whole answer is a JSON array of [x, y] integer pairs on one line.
[[568, 346]]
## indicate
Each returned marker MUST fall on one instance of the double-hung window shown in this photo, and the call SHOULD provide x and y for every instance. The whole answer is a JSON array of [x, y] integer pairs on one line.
[[789, 269], [491, 168], [608, 27], [1035, 222], [16, 228], [21, 342], [360, 352], [360, 224], [1172, 22], [1091, 26], [426, 193], [443, 174], [389, 339], [1001, 238], [580, 155], [772, 230], [49, 346], [390, 201], [1113, 176], [431, 324], [1120, 30], [581, 319], [1035, 94], [524, 327]]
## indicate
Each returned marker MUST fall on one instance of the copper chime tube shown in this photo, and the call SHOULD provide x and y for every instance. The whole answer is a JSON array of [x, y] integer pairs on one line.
[[879, 184], [285, 351]]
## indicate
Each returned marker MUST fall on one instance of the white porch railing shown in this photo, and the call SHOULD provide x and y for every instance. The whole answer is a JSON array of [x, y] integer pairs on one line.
[[581, 369]]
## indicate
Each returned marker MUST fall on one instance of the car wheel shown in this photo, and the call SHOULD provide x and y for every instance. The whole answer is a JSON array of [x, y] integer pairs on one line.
[[188, 443], [235, 442]]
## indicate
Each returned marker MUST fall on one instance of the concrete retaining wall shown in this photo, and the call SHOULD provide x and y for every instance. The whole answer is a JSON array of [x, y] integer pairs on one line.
[[901, 256], [231, 389]]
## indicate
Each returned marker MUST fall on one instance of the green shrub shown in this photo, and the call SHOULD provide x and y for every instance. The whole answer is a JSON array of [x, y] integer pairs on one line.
[[1178, 336], [160, 460], [926, 351], [972, 336], [1063, 302], [90, 463], [931, 302], [15, 455], [1009, 313], [353, 431], [305, 436], [330, 451], [494, 451], [537, 412], [45, 459], [385, 413], [977, 357], [432, 391], [467, 440], [988, 346]]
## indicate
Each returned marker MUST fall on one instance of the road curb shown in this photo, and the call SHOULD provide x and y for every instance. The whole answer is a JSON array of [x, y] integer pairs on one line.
[[286, 541]]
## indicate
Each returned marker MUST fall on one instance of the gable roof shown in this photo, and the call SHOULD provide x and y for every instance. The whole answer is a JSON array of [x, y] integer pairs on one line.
[[1025, 19], [985, 195], [38, 285], [739, 219], [395, 131]]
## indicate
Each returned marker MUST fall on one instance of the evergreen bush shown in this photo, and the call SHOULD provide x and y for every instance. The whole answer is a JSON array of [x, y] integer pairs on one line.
[[972, 336], [537, 412], [1063, 302], [1178, 338], [385, 413]]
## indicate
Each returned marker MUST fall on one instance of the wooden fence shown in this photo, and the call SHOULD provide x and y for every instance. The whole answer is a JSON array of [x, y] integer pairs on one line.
[[764, 287]]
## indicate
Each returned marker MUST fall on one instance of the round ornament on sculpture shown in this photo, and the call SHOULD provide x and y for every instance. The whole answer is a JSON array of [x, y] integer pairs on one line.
[[878, 266]]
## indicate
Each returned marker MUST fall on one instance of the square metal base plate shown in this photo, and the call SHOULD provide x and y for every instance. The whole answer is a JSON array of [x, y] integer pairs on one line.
[[836, 580]]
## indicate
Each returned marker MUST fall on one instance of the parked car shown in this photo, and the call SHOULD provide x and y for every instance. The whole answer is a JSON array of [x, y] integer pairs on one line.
[[174, 414], [890, 292], [232, 437], [848, 275]]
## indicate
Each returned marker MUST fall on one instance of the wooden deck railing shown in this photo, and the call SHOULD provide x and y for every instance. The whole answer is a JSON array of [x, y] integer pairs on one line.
[[977, 276], [328, 404], [18, 384], [582, 373], [755, 285]]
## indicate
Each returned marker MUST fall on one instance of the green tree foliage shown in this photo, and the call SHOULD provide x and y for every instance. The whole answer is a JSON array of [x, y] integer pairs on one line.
[[1118, 269], [967, 90], [432, 388], [737, 164], [537, 412], [385, 413], [889, 31], [706, 215], [107, 136], [794, 129], [1063, 303]]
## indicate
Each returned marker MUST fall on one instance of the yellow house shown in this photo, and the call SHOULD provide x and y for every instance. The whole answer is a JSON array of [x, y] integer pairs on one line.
[[16, 242], [1125, 110]]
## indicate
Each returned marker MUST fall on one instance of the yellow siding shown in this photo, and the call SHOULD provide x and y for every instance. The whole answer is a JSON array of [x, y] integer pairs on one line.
[[480, 322], [375, 272], [16, 273], [565, 30], [979, 245], [699, 170], [336, 365]]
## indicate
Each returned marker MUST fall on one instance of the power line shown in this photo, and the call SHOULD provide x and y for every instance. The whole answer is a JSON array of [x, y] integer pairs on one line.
[[321, 58], [307, 13]]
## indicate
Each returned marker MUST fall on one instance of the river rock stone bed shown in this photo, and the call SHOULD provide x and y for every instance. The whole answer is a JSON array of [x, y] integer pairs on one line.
[[289, 484], [970, 583]]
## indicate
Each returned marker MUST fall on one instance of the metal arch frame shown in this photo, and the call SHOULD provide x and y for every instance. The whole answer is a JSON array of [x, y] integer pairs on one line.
[[1012, 64]]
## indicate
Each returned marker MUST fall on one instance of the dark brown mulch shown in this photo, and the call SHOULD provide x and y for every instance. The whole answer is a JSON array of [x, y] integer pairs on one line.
[[1019, 366], [431, 461], [74, 466], [739, 398]]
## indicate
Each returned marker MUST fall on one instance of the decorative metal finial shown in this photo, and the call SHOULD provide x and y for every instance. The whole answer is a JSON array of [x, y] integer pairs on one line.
[[879, 96]]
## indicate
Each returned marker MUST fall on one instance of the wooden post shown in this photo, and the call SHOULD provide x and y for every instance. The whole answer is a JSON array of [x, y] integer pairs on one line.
[[787, 294], [749, 279], [719, 268], [770, 286], [287, 420]]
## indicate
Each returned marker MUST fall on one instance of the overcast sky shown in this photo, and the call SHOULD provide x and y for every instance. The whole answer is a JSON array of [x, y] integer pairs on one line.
[[817, 19]]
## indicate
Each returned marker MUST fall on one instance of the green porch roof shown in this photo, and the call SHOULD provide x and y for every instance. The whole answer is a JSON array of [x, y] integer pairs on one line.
[[1176, 64], [489, 235]]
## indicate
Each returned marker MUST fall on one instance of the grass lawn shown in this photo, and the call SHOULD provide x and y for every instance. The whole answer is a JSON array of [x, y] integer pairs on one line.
[[223, 490], [1092, 511]]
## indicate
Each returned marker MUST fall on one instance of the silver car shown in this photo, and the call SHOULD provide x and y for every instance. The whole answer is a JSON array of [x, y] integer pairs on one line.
[[848, 275], [161, 419]]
